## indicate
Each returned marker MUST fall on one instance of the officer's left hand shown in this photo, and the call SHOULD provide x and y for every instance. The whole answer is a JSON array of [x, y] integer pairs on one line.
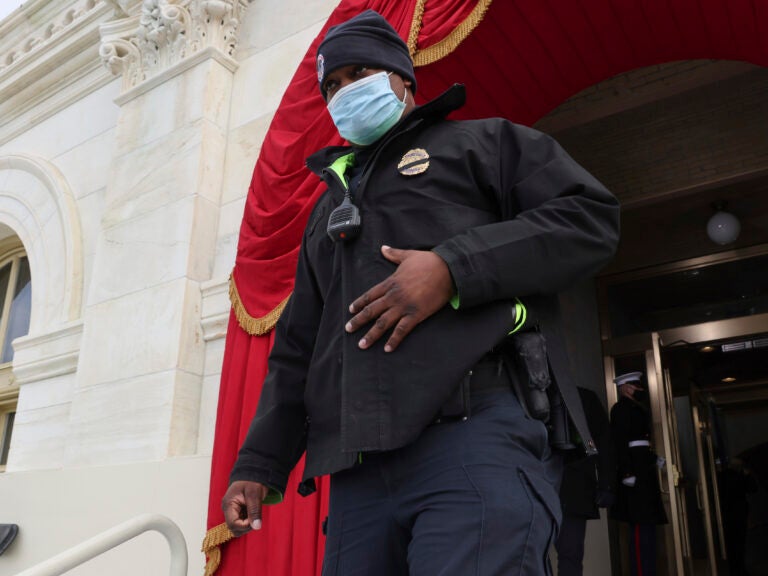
[[419, 287]]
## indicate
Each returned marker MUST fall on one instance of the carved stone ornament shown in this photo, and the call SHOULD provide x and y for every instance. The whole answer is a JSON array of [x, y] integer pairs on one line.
[[165, 32], [40, 36]]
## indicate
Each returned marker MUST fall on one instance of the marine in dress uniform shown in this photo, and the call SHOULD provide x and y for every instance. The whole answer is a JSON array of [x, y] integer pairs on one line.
[[638, 498]]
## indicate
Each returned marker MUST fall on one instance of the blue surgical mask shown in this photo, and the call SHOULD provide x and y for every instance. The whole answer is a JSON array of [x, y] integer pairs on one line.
[[364, 110]]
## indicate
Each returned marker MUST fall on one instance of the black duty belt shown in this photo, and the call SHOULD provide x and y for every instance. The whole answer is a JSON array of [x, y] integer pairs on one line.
[[488, 375]]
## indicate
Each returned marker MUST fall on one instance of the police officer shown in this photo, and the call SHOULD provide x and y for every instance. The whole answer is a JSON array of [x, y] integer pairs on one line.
[[638, 501], [435, 240]]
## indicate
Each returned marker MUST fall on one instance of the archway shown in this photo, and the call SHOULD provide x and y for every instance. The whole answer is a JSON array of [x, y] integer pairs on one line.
[[37, 204], [526, 57]]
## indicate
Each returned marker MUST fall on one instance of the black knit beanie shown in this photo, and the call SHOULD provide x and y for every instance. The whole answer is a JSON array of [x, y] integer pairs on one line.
[[366, 39]]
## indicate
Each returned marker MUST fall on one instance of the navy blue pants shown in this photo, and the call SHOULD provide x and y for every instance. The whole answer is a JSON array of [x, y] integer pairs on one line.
[[570, 546], [468, 498]]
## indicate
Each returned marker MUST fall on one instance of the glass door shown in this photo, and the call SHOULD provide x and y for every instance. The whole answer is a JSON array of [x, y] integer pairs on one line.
[[707, 496]]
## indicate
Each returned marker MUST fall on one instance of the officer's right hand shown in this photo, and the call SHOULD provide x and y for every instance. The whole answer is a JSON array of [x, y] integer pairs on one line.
[[242, 506]]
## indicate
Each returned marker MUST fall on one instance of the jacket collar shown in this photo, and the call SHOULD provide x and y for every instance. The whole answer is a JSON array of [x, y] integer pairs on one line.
[[436, 109]]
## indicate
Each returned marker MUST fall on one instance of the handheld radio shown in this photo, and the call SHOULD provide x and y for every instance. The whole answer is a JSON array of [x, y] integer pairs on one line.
[[344, 222]]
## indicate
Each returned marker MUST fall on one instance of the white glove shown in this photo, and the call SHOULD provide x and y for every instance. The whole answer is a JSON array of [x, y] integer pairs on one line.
[[660, 462], [629, 481]]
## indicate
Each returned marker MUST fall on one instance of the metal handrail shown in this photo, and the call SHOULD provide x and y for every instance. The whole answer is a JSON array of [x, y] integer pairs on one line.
[[114, 537]]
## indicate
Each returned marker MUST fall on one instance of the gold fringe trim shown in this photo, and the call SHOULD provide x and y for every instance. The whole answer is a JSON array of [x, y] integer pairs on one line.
[[413, 36], [448, 44], [254, 326], [214, 538]]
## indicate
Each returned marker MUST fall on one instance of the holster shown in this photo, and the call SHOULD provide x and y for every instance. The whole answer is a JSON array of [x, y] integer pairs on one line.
[[525, 354]]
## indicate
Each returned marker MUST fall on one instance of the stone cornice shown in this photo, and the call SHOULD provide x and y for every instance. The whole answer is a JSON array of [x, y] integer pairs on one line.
[[47, 355], [215, 308], [39, 27], [48, 59], [158, 35]]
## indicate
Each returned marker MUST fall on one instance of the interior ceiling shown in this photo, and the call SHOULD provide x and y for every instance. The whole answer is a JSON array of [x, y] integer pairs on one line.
[[743, 359], [673, 228]]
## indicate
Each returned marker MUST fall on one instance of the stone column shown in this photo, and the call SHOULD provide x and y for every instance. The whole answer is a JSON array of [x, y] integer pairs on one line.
[[141, 362]]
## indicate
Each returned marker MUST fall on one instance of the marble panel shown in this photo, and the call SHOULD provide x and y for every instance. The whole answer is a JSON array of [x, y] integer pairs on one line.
[[230, 219], [47, 393], [201, 92], [263, 77], [214, 356], [185, 419], [122, 421], [152, 115], [190, 335], [86, 167], [140, 253], [134, 335], [215, 297], [37, 198], [213, 149], [153, 175], [203, 240], [243, 148], [217, 94], [45, 356], [267, 23], [83, 120], [39, 438], [91, 210]]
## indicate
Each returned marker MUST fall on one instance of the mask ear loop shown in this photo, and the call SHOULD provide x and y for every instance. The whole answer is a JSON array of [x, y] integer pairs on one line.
[[405, 89]]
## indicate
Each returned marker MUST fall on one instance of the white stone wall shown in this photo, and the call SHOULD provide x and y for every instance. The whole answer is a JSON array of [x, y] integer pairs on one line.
[[126, 150]]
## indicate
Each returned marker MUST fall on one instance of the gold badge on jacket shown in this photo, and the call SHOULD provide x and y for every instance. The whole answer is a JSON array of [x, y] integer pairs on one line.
[[414, 162]]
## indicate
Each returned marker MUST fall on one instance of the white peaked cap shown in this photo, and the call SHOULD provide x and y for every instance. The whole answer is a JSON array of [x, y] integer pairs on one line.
[[627, 378]]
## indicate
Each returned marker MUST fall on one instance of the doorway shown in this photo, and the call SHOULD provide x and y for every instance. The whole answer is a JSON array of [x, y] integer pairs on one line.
[[708, 406]]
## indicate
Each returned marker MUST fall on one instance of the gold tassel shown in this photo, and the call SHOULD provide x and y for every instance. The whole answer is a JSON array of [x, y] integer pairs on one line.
[[413, 36], [448, 44], [214, 538], [253, 326]]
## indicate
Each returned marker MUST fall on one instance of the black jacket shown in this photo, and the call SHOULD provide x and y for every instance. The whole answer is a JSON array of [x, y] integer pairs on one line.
[[513, 216]]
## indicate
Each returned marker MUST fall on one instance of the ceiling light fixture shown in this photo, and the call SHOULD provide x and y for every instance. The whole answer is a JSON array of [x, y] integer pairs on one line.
[[723, 227], [728, 379]]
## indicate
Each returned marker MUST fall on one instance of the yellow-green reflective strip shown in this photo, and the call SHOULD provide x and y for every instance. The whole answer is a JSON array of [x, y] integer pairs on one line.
[[520, 316], [273, 497], [341, 165]]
